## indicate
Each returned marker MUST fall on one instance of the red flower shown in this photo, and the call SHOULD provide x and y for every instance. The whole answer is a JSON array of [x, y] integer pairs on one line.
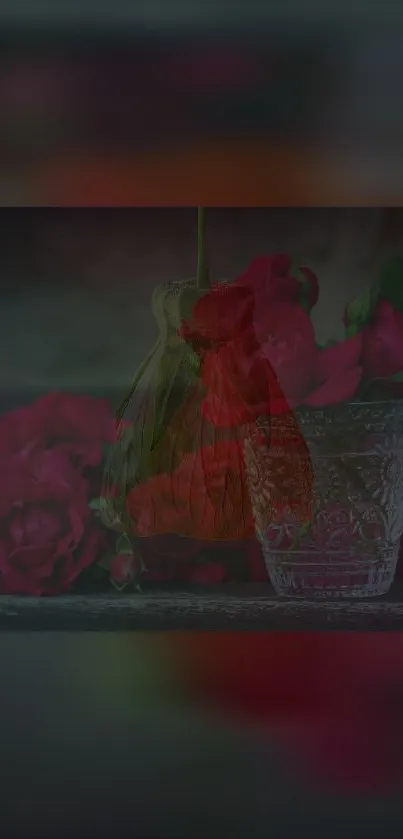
[[269, 279], [383, 343], [271, 282], [47, 535], [337, 373], [307, 375], [206, 498], [239, 389], [288, 341], [221, 315], [79, 424]]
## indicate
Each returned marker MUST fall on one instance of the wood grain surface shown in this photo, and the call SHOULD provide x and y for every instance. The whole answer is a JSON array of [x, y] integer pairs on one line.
[[228, 607]]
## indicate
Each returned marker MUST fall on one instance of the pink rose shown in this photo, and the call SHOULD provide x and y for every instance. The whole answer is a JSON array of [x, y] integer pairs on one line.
[[288, 342], [337, 373], [79, 424], [47, 535], [383, 343], [269, 277]]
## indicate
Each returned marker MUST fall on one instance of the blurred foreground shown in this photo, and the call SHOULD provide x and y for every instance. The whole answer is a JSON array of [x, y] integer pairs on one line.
[[202, 735]]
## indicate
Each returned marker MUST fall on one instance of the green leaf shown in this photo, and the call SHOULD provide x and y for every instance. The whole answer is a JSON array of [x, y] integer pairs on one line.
[[360, 310], [123, 545], [352, 330], [391, 282]]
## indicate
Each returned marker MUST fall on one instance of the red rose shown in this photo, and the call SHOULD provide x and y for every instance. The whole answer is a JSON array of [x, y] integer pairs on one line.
[[79, 424], [307, 375], [337, 373], [221, 315], [239, 388], [47, 536], [288, 341], [271, 282], [206, 498], [268, 277], [383, 343]]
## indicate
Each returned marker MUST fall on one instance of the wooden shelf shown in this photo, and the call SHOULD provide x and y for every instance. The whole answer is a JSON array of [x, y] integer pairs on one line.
[[227, 607]]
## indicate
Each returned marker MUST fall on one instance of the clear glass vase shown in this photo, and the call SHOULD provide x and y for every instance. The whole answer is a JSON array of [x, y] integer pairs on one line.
[[351, 546]]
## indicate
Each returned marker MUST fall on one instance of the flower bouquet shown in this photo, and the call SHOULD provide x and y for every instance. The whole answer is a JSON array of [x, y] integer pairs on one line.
[[243, 450], [274, 436]]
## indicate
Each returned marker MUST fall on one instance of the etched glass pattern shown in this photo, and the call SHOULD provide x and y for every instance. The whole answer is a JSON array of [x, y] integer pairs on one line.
[[351, 546]]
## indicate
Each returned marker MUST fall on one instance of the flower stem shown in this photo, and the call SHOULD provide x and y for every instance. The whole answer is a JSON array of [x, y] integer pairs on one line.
[[203, 280]]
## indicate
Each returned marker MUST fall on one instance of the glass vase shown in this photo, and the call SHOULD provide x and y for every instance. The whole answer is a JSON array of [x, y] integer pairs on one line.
[[351, 546]]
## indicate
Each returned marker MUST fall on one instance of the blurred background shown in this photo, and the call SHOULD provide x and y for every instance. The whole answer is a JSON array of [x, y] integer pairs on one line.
[[77, 284], [157, 103]]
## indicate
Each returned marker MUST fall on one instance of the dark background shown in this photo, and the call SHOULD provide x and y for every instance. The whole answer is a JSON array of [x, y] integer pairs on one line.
[[305, 100]]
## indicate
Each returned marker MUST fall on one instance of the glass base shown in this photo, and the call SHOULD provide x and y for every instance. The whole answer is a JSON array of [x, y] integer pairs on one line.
[[333, 578]]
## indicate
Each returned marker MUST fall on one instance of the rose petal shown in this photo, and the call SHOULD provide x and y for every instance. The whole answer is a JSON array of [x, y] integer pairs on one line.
[[288, 342], [383, 342], [341, 356], [221, 314], [340, 388]]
